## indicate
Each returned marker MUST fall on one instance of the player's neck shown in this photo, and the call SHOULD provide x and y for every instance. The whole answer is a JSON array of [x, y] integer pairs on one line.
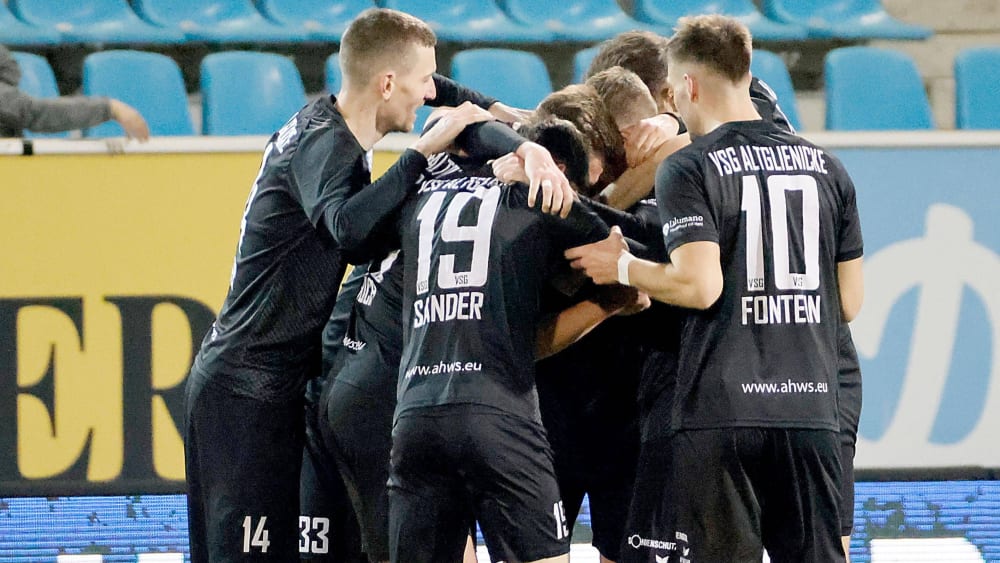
[[729, 109], [360, 113]]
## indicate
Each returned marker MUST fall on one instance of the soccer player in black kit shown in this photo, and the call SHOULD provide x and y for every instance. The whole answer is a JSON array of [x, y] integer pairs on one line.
[[310, 211], [468, 444], [765, 247]]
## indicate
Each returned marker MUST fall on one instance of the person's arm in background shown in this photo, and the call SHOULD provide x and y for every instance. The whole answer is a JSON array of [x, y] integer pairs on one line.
[[19, 111], [451, 93]]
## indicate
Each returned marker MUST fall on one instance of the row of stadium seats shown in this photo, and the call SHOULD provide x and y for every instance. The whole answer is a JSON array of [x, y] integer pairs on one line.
[[251, 93], [46, 22]]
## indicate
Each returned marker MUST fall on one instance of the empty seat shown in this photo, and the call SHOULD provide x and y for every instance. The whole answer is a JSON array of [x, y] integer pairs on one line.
[[149, 82], [217, 21], [575, 20], [977, 88], [843, 19], [470, 21], [322, 20], [581, 62], [770, 69], [516, 78], [332, 74], [15, 32], [93, 21], [869, 88], [248, 93], [38, 80], [666, 13]]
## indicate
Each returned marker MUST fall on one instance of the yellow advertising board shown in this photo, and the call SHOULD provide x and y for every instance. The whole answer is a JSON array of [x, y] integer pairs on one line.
[[113, 269]]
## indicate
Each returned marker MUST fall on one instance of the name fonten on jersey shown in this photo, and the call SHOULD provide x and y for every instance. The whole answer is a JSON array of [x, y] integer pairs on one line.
[[781, 309], [780, 158], [462, 305]]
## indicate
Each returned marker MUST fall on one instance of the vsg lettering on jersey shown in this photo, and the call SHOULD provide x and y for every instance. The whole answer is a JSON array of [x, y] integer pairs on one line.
[[92, 392]]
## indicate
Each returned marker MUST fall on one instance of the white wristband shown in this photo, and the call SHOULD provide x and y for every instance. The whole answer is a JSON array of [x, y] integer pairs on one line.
[[623, 261]]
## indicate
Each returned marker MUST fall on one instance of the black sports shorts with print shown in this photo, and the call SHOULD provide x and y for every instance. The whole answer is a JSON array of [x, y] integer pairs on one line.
[[453, 464]]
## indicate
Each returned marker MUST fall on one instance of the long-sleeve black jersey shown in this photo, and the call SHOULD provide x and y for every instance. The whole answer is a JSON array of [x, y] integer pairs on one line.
[[475, 259], [311, 209]]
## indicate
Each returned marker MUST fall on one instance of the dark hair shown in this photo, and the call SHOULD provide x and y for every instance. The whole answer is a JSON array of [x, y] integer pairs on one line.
[[718, 42], [567, 146], [580, 105], [378, 36], [642, 52]]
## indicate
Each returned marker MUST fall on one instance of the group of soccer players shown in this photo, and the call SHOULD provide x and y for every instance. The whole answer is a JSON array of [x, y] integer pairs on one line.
[[495, 355]]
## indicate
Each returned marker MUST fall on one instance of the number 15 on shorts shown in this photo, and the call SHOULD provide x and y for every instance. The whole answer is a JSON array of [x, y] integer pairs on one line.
[[562, 531]]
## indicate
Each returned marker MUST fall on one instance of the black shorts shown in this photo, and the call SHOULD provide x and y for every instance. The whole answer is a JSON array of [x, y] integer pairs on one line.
[[357, 431], [243, 458], [328, 527], [457, 463], [849, 408], [599, 463], [723, 495]]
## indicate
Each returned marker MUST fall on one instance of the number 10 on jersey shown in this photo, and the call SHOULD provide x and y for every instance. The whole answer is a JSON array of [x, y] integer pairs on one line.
[[777, 188]]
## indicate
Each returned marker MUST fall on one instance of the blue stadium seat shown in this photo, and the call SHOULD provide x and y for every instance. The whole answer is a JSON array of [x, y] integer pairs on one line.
[[977, 88], [581, 62], [38, 80], [149, 82], [93, 21], [575, 20], [843, 19], [332, 73], [516, 78], [217, 21], [248, 93], [769, 67], [15, 32], [869, 88], [470, 21], [666, 13], [322, 20]]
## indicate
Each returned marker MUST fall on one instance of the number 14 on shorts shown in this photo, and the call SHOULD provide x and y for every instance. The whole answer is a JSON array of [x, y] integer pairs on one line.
[[258, 539]]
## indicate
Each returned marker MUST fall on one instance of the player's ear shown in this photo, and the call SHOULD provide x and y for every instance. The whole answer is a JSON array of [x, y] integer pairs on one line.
[[692, 86], [387, 84]]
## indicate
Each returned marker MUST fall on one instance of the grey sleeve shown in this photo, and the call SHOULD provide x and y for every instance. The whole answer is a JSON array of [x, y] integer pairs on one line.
[[19, 111]]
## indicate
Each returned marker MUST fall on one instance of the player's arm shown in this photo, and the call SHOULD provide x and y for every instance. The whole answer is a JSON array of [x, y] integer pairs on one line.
[[850, 280], [573, 323], [636, 183], [353, 217], [490, 140], [451, 93], [692, 279]]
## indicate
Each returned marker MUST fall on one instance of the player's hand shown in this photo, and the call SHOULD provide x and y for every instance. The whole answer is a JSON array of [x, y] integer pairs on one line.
[[599, 260], [441, 135], [644, 138], [508, 114], [131, 120], [509, 168], [542, 172]]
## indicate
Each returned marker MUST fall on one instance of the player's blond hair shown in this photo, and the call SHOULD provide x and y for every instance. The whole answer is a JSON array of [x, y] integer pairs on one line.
[[379, 38]]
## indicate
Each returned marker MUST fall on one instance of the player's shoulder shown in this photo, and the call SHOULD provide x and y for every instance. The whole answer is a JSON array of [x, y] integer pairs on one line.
[[322, 127]]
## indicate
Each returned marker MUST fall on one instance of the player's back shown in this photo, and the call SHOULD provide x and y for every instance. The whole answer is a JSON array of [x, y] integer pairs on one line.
[[475, 259], [783, 213], [266, 339]]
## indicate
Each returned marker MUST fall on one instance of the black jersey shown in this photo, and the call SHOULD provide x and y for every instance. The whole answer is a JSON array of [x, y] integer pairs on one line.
[[475, 258], [783, 212], [306, 217], [766, 102]]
